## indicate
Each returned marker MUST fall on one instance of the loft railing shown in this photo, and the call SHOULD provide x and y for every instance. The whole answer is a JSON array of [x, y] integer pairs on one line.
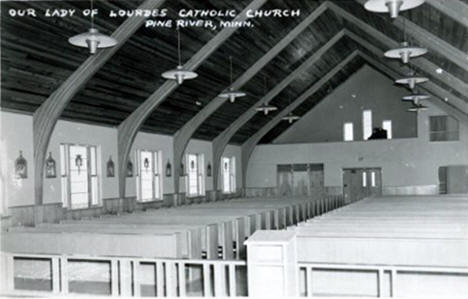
[[37, 274]]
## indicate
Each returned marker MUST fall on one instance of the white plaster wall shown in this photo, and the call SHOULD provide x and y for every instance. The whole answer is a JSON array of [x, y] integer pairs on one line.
[[16, 135], [404, 162], [105, 138]]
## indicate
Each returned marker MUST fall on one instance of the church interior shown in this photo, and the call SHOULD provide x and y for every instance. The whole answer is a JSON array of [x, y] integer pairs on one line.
[[218, 148]]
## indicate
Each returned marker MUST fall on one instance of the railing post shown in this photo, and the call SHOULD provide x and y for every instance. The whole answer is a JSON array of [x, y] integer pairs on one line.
[[181, 275], [219, 279], [114, 277], [232, 281], [64, 274], [272, 254], [56, 275], [7, 271]]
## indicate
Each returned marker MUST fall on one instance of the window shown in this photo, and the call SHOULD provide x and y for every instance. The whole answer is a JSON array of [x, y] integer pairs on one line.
[[229, 174], [364, 179], [443, 128], [348, 132], [195, 181], [373, 178], [149, 183], [366, 124], [79, 176], [387, 126]]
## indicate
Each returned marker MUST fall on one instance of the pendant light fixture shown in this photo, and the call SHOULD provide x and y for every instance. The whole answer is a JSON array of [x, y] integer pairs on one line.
[[231, 93], [92, 39], [290, 118], [417, 108], [265, 107], [405, 52], [415, 98], [179, 74], [411, 80], [392, 6]]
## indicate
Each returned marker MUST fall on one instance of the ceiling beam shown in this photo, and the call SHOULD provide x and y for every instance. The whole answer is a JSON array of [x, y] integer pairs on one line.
[[249, 145], [129, 127], [459, 113], [422, 63], [220, 142], [46, 116], [431, 89], [455, 9], [429, 40], [182, 136]]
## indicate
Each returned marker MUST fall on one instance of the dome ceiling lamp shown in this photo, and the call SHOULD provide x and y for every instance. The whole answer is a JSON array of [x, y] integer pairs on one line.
[[92, 39], [411, 80], [265, 107], [392, 6], [291, 117], [179, 74], [231, 93]]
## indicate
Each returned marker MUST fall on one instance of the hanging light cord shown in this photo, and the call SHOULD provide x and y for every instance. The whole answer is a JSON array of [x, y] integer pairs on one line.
[[230, 66], [178, 46], [92, 15]]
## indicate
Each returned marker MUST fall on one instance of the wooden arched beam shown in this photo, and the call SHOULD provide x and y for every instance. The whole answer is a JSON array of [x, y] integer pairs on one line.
[[422, 63], [249, 145], [220, 142], [429, 40], [182, 136], [430, 86], [455, 9], [46, 116], [129, 127]]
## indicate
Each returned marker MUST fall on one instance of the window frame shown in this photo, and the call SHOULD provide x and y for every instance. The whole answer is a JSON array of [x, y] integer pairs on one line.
[[365, 128], [94, 190], [446, 132], [199, 175], [390, 130], [156, 177], [350, 126]]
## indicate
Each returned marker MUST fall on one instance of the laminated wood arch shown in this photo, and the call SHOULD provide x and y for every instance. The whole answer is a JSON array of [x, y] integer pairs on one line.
[[46, 116]]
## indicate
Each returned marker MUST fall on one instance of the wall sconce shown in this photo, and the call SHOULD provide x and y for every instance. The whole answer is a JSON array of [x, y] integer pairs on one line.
[[208, 170], [21, 167], [78, 162], [146, 164], [168, 169], [182, 169], [129, 169]]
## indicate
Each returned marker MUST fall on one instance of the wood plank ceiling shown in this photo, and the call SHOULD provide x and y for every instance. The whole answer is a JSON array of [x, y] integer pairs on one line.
[[36, 59]]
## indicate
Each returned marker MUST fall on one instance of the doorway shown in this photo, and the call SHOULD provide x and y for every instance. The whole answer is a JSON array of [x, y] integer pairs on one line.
[[300, 179], [359, 183]]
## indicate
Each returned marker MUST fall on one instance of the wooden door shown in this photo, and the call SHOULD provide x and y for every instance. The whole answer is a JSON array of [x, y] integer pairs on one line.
[[359, 183], [285, 180], [300, 180], [316, 180]]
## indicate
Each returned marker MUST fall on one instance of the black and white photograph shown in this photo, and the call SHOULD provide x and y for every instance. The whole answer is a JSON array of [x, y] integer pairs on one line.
[[234, 148]]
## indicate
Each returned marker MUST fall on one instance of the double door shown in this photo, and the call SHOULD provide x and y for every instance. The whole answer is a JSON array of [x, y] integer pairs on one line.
[[359, 183], [300, 179]]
